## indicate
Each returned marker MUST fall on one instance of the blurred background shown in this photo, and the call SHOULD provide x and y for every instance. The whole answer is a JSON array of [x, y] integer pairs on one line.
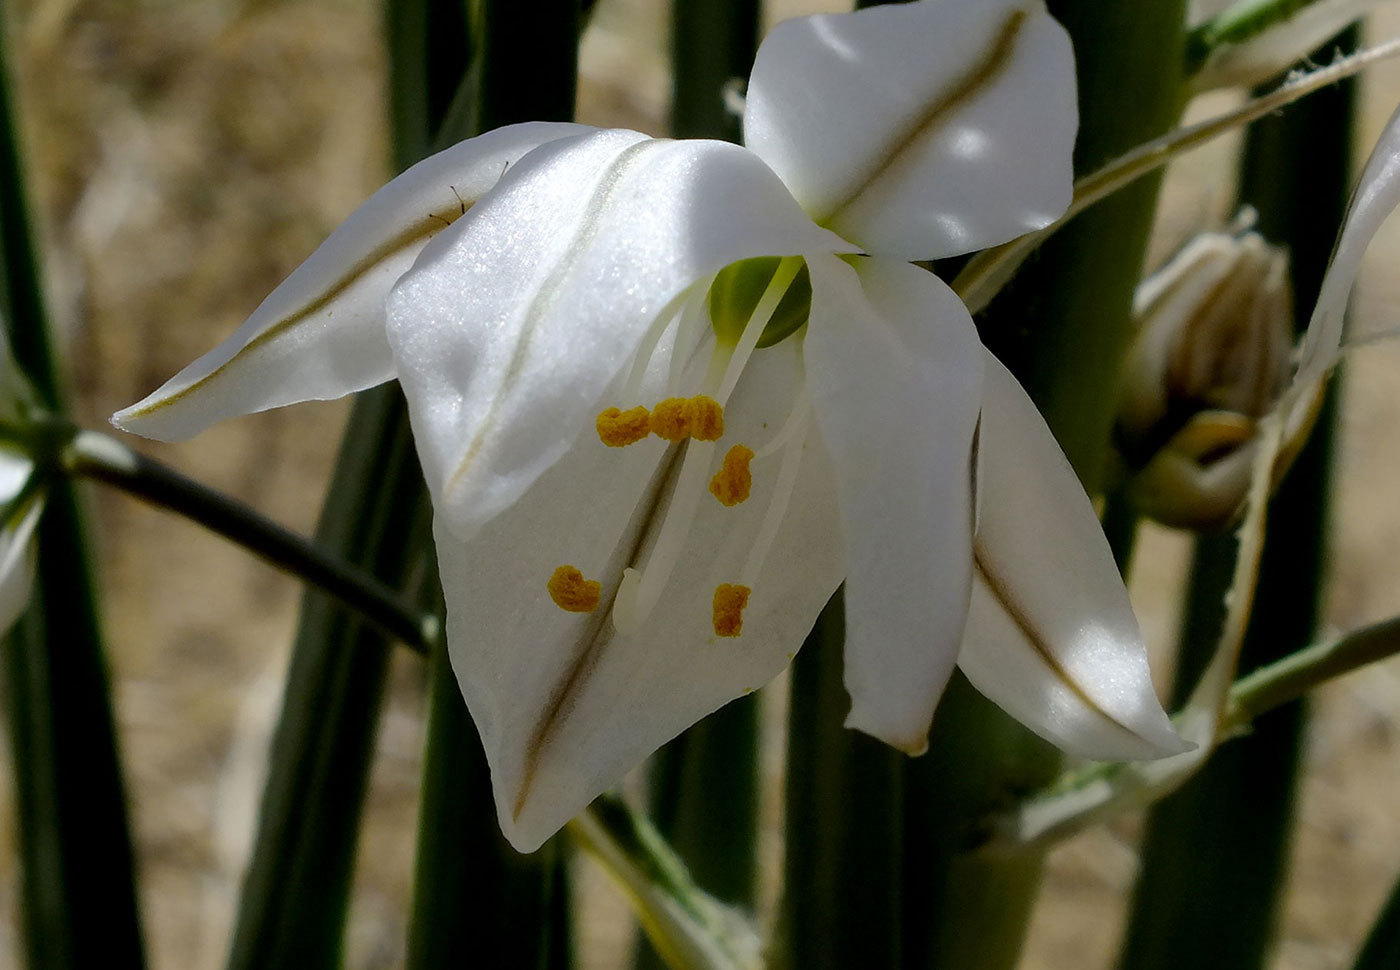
[[185, 155]]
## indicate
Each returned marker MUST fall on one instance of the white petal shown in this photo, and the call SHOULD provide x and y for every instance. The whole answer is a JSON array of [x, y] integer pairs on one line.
[[1375, 198], [510, 326], [895, 373], [1051, 637], [564, 704], [920, 130], [320, 334], [15, 469], [17, 554]]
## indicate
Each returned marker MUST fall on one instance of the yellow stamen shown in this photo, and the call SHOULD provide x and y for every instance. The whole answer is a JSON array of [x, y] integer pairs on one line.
[[706, 418], [670, 419], [677, 418], [572, 593], [730, 601], [618, 428], [733, 482]]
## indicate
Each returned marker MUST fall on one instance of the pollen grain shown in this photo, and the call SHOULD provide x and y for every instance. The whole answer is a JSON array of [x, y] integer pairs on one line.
[[670, 419], [706, 417], [730, 601], [733, 482], [618, 428], [572, 593]]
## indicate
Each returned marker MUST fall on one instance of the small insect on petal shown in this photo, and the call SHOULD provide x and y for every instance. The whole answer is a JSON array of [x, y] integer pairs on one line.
[[730, 600], [733, 482], [572, 593]]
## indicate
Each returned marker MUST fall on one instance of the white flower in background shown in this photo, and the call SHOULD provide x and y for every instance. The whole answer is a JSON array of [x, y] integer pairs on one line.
[[21, 504], [669, 394]]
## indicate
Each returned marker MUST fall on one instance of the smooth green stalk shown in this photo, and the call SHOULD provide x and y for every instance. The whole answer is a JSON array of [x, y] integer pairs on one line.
[[689, 928], [476, 902], [1214, 854], [296, 893], [78, 898], [713, 42], [101, 458], [430, 48], [704, 784], [842, 873]]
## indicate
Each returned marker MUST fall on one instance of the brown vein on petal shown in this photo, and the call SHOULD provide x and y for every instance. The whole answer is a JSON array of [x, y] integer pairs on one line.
[[547, 294], [937, 110], [1022, 621], [418, 232], [598, 635]]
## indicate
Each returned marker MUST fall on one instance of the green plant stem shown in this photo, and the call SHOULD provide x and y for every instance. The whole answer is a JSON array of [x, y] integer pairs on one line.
[[844, 830], [1215, 851], [102, 459], [294, 901], [78, 896], [1285, 680], [688, 927]]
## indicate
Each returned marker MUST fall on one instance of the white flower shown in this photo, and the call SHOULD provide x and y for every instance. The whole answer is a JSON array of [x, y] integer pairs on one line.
[[600, 600], [21, 501]]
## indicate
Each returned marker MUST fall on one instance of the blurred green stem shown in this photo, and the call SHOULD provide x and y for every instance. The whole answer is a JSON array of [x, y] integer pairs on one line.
[[78, 897]]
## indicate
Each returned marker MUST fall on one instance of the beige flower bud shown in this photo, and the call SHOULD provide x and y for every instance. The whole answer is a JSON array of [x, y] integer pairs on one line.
[[1212, 354]]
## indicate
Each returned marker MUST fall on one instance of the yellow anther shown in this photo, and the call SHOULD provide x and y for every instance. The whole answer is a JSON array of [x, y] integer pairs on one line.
[[618, 428], [730, 601], [678, 418], [706, 418], [670, 419], [572, 593], [733, 482]]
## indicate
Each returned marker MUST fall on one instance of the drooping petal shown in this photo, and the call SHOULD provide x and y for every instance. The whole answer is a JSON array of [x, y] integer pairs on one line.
[[920, 130], [320, 334], [895, 374], [1375, 198], [510, 326], [564, 704], [1051, 637]]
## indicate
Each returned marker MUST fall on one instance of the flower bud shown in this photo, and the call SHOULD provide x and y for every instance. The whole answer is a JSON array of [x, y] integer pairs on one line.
[[1212, 354]]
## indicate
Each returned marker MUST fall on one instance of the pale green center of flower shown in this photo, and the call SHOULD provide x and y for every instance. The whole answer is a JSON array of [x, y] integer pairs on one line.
[[774, 298]]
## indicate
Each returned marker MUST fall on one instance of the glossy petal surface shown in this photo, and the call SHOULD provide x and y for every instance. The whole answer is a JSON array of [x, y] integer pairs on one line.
[[320, 334], [566, 705], [920, 130], [512, 324], [1051, 637], [895, 374]]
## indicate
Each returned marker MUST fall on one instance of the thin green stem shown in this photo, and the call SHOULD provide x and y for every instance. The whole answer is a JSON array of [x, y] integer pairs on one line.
[[690, 929], [102, 458], [1292, 677]]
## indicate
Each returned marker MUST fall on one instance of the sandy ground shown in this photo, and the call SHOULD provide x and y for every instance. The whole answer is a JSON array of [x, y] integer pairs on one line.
[[185, 157]]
